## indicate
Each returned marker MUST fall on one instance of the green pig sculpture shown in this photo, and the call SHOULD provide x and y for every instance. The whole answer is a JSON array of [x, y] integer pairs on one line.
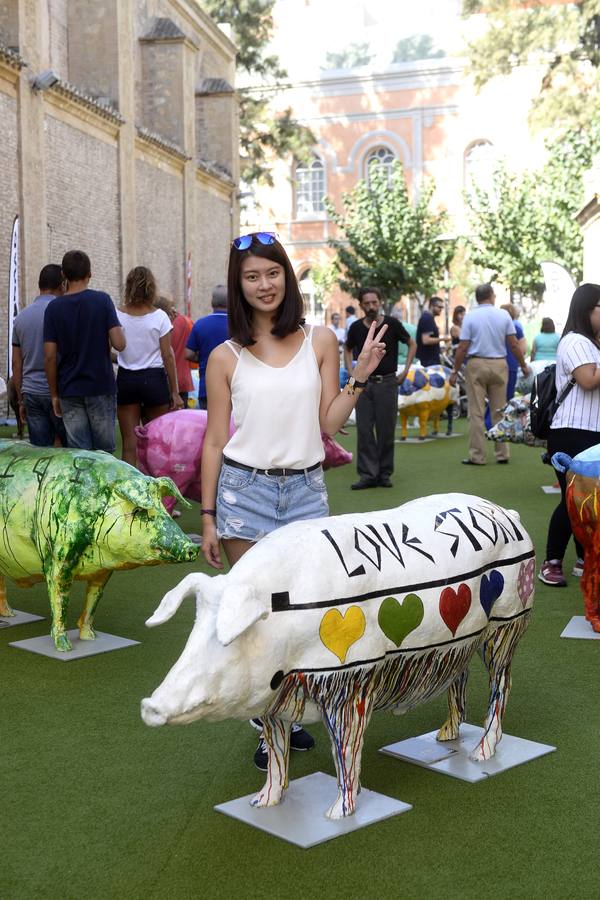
[[77, 515]]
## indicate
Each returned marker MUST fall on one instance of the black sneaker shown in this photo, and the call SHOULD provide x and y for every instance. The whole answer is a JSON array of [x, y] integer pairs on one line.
[[299, 739], [261, 756]]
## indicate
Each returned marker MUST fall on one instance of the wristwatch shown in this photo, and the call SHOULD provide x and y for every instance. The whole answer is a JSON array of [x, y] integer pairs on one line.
[[353, 385]]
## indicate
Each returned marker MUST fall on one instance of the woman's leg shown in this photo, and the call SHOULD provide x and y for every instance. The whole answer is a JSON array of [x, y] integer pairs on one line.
[[572, 442], [129, 417], [235, 548], [153, 412]]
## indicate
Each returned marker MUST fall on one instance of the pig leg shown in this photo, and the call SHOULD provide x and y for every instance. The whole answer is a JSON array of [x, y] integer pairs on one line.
[[590, 584], [276, 733], [403, 426], [346, 725], [456, 708], [423, 419], [58, 590], [93, 592], [5, 609], [497, 652]]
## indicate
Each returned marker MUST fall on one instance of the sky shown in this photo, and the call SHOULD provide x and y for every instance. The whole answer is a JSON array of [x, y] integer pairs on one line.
[[308, 29]]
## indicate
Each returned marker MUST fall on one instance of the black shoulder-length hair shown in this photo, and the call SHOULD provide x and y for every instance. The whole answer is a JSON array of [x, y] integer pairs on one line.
[[583, 301], [289, 314]]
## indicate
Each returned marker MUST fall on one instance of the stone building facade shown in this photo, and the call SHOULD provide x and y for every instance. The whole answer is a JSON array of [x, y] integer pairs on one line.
[[119, 128]]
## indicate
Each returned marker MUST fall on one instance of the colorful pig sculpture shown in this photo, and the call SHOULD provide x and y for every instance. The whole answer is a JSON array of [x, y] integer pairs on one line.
[[333, 618], [76, 515], [425, 393], [514, 426], [172, 445], [583, 504]]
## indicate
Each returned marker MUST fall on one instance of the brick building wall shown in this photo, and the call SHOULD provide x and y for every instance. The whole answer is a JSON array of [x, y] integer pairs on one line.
[[9, 208], [160, 226], [84, 212], [85, 165], [211, 256], [57, 36]]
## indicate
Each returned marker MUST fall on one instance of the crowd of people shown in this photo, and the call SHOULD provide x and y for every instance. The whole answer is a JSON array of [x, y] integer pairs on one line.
[[279, 377]]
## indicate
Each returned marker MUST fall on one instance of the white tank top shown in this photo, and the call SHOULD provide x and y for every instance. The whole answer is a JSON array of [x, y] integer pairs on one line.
[[276, 410]]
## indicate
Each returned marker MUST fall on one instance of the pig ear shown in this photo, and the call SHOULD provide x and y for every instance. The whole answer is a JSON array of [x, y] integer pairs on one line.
[[168, 488], [191, 585], [135, 489], [240, 607]]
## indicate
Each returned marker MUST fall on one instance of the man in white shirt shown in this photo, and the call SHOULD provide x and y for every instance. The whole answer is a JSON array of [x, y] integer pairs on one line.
[[485, 333]]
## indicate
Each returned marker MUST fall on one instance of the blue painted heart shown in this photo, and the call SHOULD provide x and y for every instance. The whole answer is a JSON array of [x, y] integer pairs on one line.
[[490, 589]]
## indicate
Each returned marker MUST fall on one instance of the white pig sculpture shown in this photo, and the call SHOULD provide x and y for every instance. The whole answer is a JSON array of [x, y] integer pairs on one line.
[[333, 618]]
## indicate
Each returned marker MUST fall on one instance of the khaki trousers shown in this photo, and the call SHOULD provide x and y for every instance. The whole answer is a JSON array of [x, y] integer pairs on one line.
[[485, 379]]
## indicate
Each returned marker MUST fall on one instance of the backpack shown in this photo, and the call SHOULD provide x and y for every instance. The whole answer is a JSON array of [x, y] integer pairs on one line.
[[544, 402]]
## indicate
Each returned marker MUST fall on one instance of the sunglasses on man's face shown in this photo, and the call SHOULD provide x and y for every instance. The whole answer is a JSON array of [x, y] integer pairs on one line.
[[246, 240]]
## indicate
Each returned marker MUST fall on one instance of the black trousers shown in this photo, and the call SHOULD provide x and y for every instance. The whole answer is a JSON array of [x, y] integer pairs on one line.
[[571, 441], [376, 414]]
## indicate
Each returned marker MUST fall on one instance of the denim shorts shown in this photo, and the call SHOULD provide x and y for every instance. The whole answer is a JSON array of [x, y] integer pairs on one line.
[[251, 505]]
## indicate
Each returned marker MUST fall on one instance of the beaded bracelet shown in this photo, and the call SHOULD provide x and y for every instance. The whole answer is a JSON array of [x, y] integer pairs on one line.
[[209, 512]]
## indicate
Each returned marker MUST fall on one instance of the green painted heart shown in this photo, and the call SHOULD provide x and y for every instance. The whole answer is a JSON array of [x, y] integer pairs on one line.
[[397, 620]]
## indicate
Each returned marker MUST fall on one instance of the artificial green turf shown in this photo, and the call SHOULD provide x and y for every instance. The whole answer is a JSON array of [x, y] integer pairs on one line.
[[97, 805]]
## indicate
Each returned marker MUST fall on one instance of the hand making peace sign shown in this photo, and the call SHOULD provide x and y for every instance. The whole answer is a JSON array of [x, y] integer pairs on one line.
[[372, 352]]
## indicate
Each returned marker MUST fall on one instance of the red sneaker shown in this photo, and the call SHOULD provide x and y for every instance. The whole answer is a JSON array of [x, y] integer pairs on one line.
[[552, 573]]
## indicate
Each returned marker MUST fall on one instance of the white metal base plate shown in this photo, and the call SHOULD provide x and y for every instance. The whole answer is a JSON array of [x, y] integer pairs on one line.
[[579, 627], [19, 618], [300, 817], [44, 645], [550, 489], [454, 434], [452, 757]]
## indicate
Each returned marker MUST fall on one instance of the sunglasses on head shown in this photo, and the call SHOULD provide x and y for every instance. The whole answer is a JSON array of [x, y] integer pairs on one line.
[[246, 240]]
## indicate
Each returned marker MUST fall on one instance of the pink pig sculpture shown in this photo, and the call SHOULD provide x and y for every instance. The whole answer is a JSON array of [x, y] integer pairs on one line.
[[172, 445]]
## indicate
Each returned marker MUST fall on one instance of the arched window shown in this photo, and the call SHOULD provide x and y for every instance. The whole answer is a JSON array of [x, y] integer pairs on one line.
[[480, 163], [310, 188], [313, 307], [380, 156]]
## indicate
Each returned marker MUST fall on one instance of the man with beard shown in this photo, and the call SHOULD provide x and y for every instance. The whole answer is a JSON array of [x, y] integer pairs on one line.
[[377, 407]]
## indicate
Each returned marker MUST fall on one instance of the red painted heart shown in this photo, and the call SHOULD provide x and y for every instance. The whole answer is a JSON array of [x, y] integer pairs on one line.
[[525, 580], [454, 605]]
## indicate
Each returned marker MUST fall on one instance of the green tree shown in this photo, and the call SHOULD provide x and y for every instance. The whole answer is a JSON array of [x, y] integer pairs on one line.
[[527, 218], [263, 133], [325, 278], [351, 57], [564, 39], [416, 46], [508, 231], [388, 242]]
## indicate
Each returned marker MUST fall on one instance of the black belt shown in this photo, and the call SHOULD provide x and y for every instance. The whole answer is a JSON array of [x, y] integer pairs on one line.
[[238, 465], [377, 379]]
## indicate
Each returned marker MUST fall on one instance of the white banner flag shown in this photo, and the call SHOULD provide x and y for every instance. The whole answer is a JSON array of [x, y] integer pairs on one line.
[[558, 293], [13, 288]]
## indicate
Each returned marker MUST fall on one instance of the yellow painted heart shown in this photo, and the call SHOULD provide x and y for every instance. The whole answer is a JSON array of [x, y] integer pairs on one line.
[[338, 632]]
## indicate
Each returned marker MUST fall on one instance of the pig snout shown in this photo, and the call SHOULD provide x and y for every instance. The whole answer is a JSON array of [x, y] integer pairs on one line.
[[177, 549], [151, 715]]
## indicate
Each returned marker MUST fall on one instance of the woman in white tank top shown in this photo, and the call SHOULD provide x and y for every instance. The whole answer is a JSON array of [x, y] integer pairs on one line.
[[281, 381]]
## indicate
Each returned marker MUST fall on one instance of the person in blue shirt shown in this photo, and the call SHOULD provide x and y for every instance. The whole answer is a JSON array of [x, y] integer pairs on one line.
[[545, 344], [79, 329], [29, 377], [511, 362], [206, 334], [428, 334]]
